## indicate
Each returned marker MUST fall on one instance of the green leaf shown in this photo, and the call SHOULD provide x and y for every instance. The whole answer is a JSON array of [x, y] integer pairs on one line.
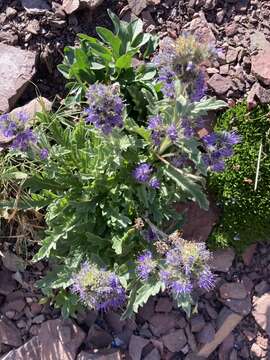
[[187, 185], [150, 288], [115, 20], [124, 62], [11, 175], [202, 107], [184, 302], [111, 39]]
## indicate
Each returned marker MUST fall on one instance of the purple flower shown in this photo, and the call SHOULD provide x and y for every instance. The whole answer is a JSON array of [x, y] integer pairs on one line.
[[200, 87], [142, 172], [23, 140], [145, 266], [106, 107], [172, 133], [210, 139], [154, 122], [156, 136], [188, 129], [167, 77], [179, 287], [97, 288], [173, 257], [154, 183], [218, 166], [206, 279], [179, 161], [44, 153], [230, 138], [151, 235]]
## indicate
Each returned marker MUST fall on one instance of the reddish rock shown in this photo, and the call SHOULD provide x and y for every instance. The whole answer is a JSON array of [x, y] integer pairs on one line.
[[35, 308], [175, 340], [248, 254], [257, 95], [30, 351], [202, 30], [164, 305], [16, 69], [136, 345], [161, 324], [261, 312], [207, 334], [199, 223], [257, 352], [233, 291], [260, 66], [9, 334], [222, 260], [98, 338], [220, 84], [60, 339]]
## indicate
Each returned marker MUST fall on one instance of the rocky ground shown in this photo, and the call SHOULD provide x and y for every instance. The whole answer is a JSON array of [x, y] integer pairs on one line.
[[232, 322]]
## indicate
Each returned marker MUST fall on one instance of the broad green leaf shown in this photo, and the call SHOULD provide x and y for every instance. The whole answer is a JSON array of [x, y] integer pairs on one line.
[[202, 107], [187, 185], [150, 288], [111, 39], [124, 62]]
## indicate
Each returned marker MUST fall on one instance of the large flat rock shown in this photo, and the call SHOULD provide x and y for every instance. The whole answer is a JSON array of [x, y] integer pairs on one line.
[[17, 67]]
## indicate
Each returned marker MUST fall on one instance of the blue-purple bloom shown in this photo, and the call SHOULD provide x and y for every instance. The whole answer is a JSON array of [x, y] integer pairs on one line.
[[154, 122], [106, 107], [23, 140], [98, 288], [154, 183], [206, 279], [199, 88], [167, 77], [172, 133], [146, 265], [142, 172], [44, 153], [181, 287], [219, 147]]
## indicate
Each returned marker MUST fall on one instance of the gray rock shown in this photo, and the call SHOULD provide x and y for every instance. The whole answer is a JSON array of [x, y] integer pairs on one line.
[[222, 260], [175, 340], [153, 355], [16, 69], [233, 291], [13, 262], [70, 6], [160, 323], [262, 288], [242, 307], [197, 323], [164, 305], [257, 95], [98, 337], [35, 7], [136, 345], [207, 334], [9, 334], [7, 284], [30, 350]]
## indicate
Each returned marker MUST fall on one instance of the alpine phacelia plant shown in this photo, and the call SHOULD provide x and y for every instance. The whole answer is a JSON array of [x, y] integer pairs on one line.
[[114, 166]]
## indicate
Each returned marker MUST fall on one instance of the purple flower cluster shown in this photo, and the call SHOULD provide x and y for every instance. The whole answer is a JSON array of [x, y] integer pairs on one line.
[[159, 130], [167, 77], [143, 174], [183, 268], [200, 87], [97, 288], [186, 267], [145, 265], [106, 107], [15, 128], [219, 147]]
